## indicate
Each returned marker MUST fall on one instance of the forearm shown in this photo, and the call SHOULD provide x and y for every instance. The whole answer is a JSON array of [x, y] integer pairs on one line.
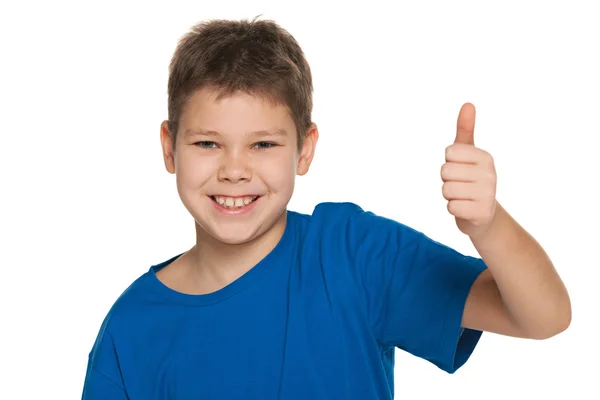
[[531, 289]]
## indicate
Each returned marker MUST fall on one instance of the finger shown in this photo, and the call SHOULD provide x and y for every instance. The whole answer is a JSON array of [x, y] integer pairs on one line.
[[468, 154], [460, 190], [460, 172], [465, 125], [461, 208]]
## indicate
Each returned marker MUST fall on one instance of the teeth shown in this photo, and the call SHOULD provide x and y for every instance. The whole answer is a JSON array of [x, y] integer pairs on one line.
[[237, 202]]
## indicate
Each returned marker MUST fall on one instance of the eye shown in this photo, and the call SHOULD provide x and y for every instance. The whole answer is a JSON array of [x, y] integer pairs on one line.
[[206, 145], [264, 145]]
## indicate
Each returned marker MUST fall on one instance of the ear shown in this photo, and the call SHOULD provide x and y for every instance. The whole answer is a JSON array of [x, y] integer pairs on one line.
[[166, 141], [308, 149]]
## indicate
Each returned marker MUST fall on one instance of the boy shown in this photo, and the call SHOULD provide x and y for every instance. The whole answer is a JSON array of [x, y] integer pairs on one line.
[[274, 304]]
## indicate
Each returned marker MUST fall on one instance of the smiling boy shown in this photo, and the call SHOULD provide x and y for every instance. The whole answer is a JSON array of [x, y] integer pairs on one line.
[[274, 304]]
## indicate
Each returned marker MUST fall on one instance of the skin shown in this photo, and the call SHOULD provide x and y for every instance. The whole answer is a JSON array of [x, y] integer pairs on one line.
[[235, 158], [520, 294]]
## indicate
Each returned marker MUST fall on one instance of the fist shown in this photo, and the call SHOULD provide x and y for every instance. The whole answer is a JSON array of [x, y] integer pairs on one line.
[[469, 178]]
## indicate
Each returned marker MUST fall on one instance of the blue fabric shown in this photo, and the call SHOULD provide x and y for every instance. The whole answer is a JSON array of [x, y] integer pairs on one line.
[[318, 318]]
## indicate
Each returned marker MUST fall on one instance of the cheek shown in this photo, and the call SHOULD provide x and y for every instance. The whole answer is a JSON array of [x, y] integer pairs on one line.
[[193, 170], [278, 171]]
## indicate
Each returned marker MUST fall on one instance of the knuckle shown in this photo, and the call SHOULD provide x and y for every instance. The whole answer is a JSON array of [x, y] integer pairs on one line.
[[446, 190], [451, 206], [445, 170]]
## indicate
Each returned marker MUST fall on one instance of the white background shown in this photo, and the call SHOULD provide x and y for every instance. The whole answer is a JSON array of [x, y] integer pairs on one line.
[[87, 206]]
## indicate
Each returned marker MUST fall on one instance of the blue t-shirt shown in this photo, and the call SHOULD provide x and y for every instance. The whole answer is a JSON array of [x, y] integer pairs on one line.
[[318, 318]]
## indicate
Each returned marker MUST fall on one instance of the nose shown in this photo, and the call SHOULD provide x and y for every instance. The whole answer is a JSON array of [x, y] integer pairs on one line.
[[234, 167]]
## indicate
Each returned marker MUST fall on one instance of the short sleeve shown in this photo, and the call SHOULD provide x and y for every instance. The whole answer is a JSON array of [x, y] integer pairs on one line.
[[99, 387], [103, 377], [415, 287]]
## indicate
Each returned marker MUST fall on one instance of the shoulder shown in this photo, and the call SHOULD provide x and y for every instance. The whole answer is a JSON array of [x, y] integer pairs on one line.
[[332, 214], [327, 220], [131, 314], [329, 211], [112, 323], [349, 219], [351, 213], [347, 228], [127, 306], [337, 208]]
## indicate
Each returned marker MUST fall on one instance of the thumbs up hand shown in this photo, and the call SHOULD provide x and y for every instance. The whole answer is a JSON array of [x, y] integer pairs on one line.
[[469, 178]]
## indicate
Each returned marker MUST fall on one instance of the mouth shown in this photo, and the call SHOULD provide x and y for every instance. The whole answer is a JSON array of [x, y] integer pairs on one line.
[[234, 203]]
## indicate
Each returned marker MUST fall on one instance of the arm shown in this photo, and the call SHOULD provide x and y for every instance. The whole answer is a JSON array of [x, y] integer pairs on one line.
[[103, 378], [520, 294]]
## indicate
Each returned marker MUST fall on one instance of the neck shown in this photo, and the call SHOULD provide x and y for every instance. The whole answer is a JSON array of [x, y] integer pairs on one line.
[[222, 263]]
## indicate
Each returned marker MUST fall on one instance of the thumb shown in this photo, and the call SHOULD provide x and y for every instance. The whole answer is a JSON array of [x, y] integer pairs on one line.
[[465, 126]]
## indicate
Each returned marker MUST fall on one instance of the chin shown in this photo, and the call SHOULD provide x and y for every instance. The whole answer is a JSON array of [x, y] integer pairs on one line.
[[238, 228], [239, 233], [229, 233], [234, 238]]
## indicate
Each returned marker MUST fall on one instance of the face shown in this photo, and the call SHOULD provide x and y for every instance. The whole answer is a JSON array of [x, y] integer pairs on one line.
[[235, 162]]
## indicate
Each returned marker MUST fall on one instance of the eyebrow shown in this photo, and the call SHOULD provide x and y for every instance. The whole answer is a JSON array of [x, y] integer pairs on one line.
[[262, 132]]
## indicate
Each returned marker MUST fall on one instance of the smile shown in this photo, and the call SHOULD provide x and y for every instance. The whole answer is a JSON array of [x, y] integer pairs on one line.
[[233, 202]]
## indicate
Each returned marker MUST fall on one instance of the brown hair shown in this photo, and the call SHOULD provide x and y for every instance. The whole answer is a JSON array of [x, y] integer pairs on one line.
[[255, 57]]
